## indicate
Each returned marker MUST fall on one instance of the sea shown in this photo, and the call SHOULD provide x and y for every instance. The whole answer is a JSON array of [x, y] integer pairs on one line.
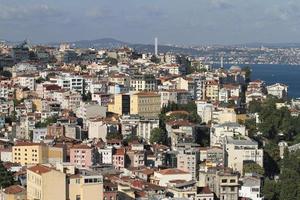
[[286, 74]]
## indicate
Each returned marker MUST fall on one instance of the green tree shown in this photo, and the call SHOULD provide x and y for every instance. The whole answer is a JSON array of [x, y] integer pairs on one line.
[[271, 190], [158, 135], [155, 59], [114, 135], [248, 72], [111, 61], [6, 177], [252, 167], [40, 80], [6, 74], [254, 106]]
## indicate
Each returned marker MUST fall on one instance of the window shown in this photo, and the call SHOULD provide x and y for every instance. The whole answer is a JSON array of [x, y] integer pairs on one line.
[[232, 180], [232, 189], [78, 197], [224, 180]]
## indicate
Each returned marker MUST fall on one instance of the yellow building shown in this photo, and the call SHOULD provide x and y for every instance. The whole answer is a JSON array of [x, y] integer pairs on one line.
[[57, 154], [88, 186], [120, 104], [14, 192], [212, 90], [38, 104], [146, 104], [45, 183], [30, 153]]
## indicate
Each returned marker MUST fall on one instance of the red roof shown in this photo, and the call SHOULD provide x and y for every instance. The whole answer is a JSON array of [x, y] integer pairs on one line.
[[39, 169], [172, 171], [14, 189]]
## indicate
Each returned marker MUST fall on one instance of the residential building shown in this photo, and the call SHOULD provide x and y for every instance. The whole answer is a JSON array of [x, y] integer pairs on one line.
[[13, 192], [27, 153], [218, 132], [146, 104], [278, 90], [81, 156], [240, 149], [42, 181], [120, 104], [166, 176]]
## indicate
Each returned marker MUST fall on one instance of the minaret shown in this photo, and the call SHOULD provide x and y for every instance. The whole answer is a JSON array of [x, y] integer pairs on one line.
[[156, 46]]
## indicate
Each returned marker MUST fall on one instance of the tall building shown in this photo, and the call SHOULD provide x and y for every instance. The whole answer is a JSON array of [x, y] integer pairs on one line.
[[156, 46]]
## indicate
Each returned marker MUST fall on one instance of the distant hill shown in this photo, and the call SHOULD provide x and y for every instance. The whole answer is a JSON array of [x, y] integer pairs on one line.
[[110, 43], [99, 43]]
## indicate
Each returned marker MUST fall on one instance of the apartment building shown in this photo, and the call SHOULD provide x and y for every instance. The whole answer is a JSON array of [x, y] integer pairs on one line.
[[81, 156], [145, 82], [239, 149], [26, 153], [45, 183], [120, 104], [218, 132], [146, 104]]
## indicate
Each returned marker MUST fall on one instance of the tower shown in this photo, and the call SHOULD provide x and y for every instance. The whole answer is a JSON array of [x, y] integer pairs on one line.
[[155, 46], [222, 63]]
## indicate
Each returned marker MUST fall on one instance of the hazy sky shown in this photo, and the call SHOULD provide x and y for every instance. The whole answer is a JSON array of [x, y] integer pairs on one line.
[[172, 21]]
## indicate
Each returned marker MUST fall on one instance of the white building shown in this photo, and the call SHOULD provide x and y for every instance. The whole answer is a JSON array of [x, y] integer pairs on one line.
[[251, 188], [239, 149], [26, 81], [278, 90], [70, 82], [164, 177], [218, 132], [204, 110], [106, 155]]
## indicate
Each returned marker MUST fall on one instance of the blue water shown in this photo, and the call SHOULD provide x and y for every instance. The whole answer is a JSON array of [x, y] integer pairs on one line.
[[287, 74]]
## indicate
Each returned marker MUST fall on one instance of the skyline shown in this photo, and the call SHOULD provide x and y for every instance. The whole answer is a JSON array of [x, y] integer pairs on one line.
[[194, 22]]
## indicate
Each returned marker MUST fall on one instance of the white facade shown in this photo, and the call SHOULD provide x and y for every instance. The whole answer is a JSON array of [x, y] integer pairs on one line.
[[218, 132], [106, 155], [165, 176], [27, 81], [278, 90], [6, 156], [251, 189], [75, 83], [237, 150], [145, 126], [204, 110]]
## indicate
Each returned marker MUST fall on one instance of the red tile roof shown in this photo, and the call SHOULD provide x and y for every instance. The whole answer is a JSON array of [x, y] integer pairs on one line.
[[14, 189], [40, 169]]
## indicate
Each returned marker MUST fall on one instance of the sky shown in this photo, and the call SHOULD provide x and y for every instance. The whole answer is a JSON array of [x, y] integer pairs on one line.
[[183, 22]]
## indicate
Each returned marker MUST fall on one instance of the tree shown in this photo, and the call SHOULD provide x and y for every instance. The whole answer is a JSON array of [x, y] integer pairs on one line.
[[6, 177], [111, 61], [47, 122], [248, 72], [6, 74], [252, 167], [87, 97], [254, 106], [40, 80], [155, 59], [271, 190], [158, 136], [114, 135]]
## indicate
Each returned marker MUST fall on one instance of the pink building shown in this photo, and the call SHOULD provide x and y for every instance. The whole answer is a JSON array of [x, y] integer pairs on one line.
[[119, 159], [81, 156]]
